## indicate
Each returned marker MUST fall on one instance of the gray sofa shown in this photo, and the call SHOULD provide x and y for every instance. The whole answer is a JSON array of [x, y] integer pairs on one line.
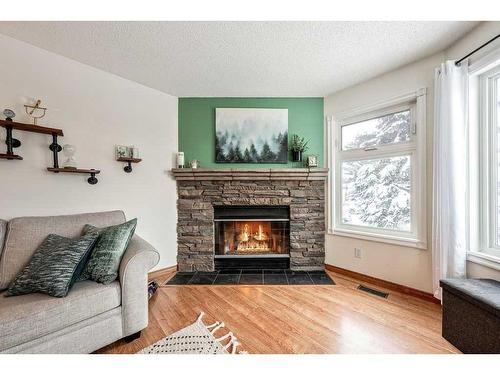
[[92, 315]]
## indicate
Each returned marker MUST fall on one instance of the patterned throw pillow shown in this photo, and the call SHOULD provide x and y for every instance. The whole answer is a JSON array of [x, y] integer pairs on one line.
[[108, 251], [55, 266]]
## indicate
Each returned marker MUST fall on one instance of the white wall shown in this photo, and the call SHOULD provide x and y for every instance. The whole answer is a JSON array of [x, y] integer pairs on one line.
[[402, 265], [96, 110]]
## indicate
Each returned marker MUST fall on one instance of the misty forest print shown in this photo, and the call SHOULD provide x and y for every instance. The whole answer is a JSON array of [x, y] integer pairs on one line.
[[251, 135]]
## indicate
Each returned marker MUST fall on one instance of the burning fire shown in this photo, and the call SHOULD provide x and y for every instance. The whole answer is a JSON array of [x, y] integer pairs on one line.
[[253, 242]]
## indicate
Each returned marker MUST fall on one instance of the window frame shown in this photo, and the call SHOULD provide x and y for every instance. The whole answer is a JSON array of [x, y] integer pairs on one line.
[[415, 148], [483, 172]]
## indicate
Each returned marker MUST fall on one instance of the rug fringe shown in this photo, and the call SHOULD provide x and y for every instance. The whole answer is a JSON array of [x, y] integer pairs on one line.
[[233, 343]]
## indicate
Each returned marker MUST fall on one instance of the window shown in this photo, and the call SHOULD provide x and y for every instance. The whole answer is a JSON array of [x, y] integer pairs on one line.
[[378, 180], [484, 163]]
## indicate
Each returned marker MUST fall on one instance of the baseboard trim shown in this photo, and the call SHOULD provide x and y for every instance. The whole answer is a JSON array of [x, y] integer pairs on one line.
[[384, 284], [161, 272]]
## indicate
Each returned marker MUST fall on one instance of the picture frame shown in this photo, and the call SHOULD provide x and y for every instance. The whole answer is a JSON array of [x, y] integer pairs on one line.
[[122, 151], [251, 135], [312, 161]]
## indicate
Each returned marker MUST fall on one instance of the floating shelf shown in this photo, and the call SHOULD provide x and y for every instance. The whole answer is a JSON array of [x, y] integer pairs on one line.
[[129, 161], [11, 157], [92, 180], [12, 143], [30, 128]]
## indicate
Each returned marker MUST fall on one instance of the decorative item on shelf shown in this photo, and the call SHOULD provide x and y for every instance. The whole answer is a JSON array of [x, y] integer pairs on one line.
[[298, 146], [194, 164], [134, 152], [9, 114], [180, 159], [122, 152], [69, 151], [312, 161], [35, 111]]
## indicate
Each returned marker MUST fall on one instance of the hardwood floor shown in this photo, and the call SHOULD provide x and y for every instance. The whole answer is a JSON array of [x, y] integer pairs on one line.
[[299, 319]]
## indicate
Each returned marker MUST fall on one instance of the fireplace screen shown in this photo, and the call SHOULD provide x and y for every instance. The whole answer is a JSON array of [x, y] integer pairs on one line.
[[257, 231]]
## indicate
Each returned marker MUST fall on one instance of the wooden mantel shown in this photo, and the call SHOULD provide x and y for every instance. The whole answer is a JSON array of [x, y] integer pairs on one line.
[[243, 174]]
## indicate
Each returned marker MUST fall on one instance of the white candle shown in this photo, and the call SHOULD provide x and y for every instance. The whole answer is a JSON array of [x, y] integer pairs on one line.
[[180, 160]]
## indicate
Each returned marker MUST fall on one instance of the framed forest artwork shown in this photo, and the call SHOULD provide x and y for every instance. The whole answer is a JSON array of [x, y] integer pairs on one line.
[[251, 135]]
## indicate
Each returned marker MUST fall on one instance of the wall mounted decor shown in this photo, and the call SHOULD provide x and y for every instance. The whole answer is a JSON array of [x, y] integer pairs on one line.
[[12, 143], [251, 135], [35, 111]]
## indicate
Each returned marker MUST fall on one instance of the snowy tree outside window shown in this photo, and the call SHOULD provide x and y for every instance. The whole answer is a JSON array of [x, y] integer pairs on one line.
[[377, 192], [379, 171]]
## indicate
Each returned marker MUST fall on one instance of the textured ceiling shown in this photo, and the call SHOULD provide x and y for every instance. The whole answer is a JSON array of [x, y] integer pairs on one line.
[[242, 58]]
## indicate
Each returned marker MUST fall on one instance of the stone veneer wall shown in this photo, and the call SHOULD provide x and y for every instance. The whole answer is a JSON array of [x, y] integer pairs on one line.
[[200, 190]]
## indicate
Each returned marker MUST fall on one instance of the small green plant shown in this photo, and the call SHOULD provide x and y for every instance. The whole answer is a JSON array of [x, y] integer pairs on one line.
[[298, 144]]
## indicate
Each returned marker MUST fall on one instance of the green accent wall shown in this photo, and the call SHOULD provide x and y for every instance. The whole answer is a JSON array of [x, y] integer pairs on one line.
[[197, 126]]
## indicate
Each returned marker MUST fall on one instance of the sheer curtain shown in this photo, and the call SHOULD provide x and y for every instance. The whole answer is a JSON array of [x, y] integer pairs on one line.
[[449, 219]]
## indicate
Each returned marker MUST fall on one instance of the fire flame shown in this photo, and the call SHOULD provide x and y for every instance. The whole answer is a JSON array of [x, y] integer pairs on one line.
[[253, 243]]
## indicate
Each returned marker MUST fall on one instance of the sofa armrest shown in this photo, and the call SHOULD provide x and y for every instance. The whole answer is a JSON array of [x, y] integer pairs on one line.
[[138, 259]]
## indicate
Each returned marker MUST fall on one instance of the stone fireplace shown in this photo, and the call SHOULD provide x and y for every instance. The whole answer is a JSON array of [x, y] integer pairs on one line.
[[250, 215]]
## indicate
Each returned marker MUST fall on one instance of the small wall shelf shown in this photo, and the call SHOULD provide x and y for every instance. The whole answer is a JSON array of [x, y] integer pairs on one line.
[[129, 161], [30, 128], [11, 157], [92, 180], [12, 143]]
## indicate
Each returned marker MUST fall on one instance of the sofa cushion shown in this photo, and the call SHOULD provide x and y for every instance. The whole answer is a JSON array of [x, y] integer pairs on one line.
[[55, 266], [27, 317], [108, 251], [25, 234], [484, 293]]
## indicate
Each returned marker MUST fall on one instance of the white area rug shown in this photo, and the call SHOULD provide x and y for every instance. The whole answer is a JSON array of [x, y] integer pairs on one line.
[[196, 338]]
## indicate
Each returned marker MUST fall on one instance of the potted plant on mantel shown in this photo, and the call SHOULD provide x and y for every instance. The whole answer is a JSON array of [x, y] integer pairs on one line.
[[298, 146]]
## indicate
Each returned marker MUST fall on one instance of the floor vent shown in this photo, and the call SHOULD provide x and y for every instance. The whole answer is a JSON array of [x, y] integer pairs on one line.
[[375, 292]]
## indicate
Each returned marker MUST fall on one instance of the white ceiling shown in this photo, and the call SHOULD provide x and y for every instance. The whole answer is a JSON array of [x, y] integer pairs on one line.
[[242, 58]]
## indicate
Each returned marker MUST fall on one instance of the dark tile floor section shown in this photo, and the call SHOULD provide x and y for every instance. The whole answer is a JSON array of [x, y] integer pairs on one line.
[[251, 277]]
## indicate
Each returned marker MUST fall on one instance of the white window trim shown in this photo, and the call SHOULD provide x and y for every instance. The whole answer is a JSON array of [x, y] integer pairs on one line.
[[417, 239], [481, 224]]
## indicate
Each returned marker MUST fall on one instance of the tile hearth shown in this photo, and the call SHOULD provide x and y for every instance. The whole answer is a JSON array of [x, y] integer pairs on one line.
[[251, 277]]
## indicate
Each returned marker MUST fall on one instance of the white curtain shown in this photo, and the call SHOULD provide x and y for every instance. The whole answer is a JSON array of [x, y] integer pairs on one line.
[[449, 219]]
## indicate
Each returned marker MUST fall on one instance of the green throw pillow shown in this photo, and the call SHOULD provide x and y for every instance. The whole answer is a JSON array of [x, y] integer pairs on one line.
[[108, 251], [55, 266]]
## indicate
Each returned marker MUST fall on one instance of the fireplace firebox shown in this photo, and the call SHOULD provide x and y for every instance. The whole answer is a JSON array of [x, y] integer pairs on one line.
[[252, 233]]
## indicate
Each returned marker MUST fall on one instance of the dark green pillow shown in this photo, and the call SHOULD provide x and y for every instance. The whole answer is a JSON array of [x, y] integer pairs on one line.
[[55, 266], [108, 251]]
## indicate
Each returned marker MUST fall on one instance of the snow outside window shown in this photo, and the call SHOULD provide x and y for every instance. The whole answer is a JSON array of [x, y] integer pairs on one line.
[[378, 179]]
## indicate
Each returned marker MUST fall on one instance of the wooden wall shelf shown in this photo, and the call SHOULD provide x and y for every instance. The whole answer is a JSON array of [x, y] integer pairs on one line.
[[12, 143], [92, 180], [129, 161], [11, 157], [30, 128]]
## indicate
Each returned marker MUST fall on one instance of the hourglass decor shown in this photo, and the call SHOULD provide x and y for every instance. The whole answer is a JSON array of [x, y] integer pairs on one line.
[[69, 152]]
